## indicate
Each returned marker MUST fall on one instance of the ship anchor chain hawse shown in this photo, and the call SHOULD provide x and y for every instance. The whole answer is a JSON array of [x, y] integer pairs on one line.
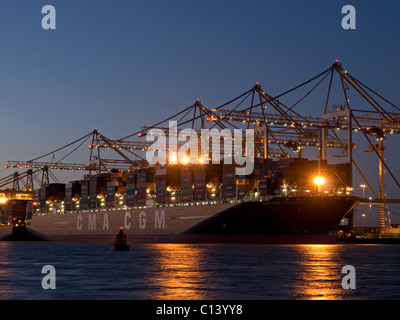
[[252, 170]]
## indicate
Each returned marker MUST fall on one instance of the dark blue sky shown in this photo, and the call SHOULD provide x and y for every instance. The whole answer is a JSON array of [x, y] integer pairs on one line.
[[118, 65]]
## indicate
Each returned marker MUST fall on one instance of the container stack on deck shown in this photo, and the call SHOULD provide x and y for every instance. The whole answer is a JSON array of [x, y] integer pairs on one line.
[[186, 183], [199, 183], [266, 182], [167, 184], [97, 190], [145, 185], [245, 186], [130, 189], [161, 185], [191, 182], [228, 181], [73, 189], [84, 194], [116, 189], [51, 198]]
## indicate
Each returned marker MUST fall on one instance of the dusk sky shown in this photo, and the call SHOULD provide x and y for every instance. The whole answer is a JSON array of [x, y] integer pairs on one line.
[[118, 65]]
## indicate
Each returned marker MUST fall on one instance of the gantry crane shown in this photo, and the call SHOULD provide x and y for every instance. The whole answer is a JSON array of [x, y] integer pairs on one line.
[[274, 123]]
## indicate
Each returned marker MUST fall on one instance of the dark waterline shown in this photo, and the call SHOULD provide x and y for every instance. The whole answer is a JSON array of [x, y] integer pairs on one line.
[[185, 271]]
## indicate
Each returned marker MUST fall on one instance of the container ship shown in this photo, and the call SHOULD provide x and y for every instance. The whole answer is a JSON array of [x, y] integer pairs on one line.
[[287, 200], [280, 202]]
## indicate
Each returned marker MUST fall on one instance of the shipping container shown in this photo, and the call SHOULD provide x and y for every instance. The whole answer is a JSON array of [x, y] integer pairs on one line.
[[161, 171], [141, 191], [98, 183], [141, 178], [187, 197], [199, 189], [186, 186], [186, 180], [228, 167], [199, 184], [130, 199], [207, 172], [84, 203], [130, 178], [199, 173], [186, 191], [161, 196], [267, 186], [228, 191], [140, 201], [229, 181], [112, 189], [116, 176], [228, 175], [199, 196], [72, 191], [161, 184], [92, 201]]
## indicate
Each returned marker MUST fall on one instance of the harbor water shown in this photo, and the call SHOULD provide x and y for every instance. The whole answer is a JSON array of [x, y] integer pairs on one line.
[[197, 271]]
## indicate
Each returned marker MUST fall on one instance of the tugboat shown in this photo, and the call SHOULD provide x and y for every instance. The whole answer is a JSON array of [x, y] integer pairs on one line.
[[120, 243]]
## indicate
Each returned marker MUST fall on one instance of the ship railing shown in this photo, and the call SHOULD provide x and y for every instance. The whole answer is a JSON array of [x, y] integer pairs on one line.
[[157, 205]]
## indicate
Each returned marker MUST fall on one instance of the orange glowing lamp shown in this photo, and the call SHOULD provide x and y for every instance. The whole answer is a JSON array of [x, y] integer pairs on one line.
[[319, 180], [185, 160]]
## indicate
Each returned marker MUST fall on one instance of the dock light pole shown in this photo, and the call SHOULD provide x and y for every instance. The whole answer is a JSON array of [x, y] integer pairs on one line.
[[363, 216], [363, 186], [319, 181]]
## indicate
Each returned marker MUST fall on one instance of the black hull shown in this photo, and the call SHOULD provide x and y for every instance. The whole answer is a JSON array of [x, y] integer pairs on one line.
[[279, 216], [308, 219], [120, 247]]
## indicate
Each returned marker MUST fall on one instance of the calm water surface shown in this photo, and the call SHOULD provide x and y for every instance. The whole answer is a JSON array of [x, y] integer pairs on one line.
[[182, 271]]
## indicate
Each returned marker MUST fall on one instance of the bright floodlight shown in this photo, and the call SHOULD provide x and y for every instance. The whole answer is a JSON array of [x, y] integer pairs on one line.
[[173, 159], [319, 180], [185, 160]]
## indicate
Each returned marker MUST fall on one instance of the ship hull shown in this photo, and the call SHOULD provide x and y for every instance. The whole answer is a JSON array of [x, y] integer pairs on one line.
[[5, 232], [280, 220]]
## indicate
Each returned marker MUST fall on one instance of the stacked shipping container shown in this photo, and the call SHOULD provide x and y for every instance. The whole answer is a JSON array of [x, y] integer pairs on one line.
[[264, 176], [51, 197], [130, 189], [116, 189], [73, 188], [167, 184], [186, 183], [199, 182], [145, 179], [228, 181]]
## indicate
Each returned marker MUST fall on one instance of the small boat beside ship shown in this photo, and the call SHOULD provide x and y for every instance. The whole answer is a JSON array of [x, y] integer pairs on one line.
[[121, 242]]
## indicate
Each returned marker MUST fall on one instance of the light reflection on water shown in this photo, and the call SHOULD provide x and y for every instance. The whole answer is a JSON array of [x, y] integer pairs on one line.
[[181, 275], [5, 287], [199, 271], [319, 275]]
